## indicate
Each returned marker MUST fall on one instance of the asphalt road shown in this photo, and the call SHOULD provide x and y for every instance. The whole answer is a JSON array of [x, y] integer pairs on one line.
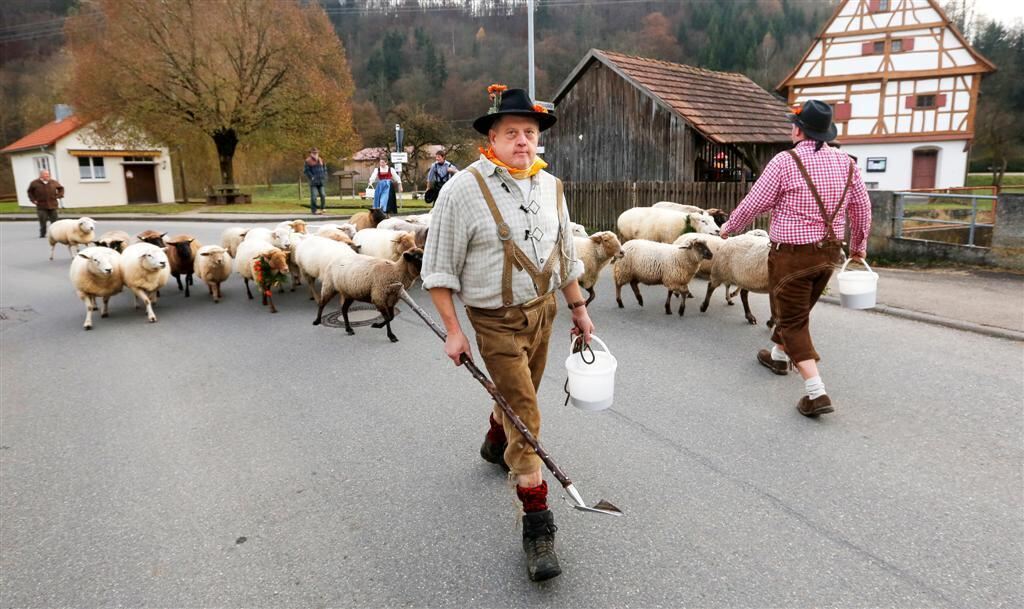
[[226, 457]]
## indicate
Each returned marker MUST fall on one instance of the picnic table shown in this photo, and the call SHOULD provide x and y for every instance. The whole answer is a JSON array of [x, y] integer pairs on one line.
[[227, 194]]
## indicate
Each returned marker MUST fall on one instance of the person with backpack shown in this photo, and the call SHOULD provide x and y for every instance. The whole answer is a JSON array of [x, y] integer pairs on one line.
[[438, 174]]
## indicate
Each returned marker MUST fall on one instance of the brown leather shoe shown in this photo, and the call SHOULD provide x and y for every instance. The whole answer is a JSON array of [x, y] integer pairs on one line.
[[764, 357], [812, 408]]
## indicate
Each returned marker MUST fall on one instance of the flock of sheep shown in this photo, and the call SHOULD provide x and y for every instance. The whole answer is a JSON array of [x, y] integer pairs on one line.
[[371, 258]]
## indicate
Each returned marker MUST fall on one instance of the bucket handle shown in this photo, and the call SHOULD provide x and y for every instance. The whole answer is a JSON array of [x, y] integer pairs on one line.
[[576, 344], [849, 260]]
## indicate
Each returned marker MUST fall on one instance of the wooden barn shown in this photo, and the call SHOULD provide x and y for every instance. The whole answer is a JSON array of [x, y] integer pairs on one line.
[[631, 119]]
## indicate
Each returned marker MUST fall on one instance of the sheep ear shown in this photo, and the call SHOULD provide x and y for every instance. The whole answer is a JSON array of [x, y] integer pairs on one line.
[[684, 247], [84, 256], [162, 235], [204, 253], [597, 237]]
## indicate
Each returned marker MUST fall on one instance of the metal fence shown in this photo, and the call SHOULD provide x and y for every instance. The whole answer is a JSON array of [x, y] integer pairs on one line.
[[950, 218], [597, 205]]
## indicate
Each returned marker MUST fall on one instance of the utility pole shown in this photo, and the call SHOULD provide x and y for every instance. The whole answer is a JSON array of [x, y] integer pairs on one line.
[[529, 12]]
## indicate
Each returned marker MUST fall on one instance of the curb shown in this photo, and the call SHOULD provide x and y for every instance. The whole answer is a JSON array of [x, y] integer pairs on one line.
[[936, 320]]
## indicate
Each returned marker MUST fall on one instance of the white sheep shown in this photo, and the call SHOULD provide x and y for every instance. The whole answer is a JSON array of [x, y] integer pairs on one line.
[[419, 230], [280, 237], [420, 218], [96, 273], [231, 237], [741, 261], [704, 271], [346, 227], [314, 255], [368, 279], [71, 233], [578, 230], [662, 225], [296, 226], [719, 216], [596, 251], [146, 269], [385, 244], [213, 266], [653, 263]]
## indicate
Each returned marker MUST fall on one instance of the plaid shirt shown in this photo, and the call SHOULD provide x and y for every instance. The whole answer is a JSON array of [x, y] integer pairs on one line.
[[463, 252], [796, 218]]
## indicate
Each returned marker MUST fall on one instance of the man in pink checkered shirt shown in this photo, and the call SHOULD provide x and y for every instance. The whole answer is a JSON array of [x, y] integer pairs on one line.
[[809, 191]]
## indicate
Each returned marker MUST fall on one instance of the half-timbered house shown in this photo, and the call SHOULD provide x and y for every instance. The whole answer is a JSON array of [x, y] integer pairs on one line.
[[903, 83]]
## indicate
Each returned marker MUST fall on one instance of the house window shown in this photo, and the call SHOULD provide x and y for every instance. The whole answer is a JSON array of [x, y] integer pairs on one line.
[[879, 6], [897, 46], [900, 45], [873, 48], [42, 163], [929, 101], [925, 101], [91, 168]]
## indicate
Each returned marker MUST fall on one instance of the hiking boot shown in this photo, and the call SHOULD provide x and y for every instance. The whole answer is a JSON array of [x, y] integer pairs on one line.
[[764, 357], [539, 544], [494, 453], [812, 408]]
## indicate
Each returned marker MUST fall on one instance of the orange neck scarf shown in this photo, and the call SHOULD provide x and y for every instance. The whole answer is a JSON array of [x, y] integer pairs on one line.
[[519, 174]]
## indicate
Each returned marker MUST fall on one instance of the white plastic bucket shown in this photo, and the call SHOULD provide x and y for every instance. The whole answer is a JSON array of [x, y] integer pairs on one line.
[[857, 289], [591, 386]]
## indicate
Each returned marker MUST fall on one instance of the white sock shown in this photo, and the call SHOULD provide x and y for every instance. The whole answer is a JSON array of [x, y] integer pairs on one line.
[[814, 387], [778, 354]]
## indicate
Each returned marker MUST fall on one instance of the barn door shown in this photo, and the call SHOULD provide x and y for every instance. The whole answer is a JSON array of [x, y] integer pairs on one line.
[[923, 171], [140, 183]]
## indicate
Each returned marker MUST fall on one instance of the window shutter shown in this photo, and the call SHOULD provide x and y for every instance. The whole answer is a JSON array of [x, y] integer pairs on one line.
[[908, 44], [911, 102], [841, 111], [940, 100], [873, 5], [868, 48]]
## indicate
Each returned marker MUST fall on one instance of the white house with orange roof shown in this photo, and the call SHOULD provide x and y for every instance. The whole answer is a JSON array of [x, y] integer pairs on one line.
[[92, 173], [903, 83]]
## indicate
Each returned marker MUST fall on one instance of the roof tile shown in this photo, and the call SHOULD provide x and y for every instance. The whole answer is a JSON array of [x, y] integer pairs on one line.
[[45, 135]]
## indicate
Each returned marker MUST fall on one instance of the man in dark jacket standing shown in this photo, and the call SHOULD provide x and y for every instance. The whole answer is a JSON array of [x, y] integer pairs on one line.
[[43, 193], [316, 172]]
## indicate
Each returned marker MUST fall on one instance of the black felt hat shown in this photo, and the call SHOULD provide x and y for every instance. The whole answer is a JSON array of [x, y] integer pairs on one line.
[[515, 102], [815, 119]]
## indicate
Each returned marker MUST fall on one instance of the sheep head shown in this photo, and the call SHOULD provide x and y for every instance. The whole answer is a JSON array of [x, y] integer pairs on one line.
[[152, 237], [299, 226], [217, 256], [698, 246], [86, 224], [278, 260], [153, 259], [719, 216], [609, 243], [377, 216], [700, 223], [404, 242], [414, 258], [98, 264]]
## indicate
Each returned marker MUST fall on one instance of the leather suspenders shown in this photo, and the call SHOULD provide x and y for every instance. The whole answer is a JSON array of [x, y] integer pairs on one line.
[[831, 234]]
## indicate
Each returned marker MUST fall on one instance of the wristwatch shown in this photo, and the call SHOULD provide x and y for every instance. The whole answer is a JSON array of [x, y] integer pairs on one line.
[[578, 303]]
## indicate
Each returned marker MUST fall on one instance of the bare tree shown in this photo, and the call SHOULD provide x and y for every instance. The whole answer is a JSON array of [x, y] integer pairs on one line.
[[257, 70]]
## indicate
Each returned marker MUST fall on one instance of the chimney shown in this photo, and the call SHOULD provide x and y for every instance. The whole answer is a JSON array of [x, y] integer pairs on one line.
[[62, 111]]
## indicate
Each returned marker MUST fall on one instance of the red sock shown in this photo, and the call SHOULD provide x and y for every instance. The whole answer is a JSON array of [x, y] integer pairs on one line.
[[496, 434], [535, 499]]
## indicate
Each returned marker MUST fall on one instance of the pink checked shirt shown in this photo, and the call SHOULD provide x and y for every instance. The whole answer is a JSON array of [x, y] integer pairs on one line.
[[796, 218]]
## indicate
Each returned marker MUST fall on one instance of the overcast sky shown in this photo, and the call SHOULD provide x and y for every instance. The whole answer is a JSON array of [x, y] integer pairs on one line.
[[1005, 11]]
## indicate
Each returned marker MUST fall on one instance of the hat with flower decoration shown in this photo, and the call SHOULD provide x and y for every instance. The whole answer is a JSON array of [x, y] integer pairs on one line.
[[815, 119], [517, 102]]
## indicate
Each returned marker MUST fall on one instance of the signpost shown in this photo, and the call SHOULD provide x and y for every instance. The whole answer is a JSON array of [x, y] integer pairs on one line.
[[397, 158]]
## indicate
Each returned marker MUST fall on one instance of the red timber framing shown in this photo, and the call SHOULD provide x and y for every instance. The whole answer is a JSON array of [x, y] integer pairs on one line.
[[905, 121]]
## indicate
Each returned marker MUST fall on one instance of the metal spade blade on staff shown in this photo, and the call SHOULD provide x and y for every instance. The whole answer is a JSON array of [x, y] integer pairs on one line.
[[601, 507]]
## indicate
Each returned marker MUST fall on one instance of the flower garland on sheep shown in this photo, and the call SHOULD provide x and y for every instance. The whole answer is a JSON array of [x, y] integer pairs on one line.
[[265, 276]]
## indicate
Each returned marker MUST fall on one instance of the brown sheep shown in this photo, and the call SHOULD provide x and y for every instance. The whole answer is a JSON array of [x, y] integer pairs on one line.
[[152, 237], [268, 256], [367, 219], [181, 252], [116, 240]]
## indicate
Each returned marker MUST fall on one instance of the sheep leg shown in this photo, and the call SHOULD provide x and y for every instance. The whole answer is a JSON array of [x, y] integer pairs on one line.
[[668, 303], [712, 286], [88, 312], [106, 307], [730, 295], [263, 292], [71, 252], [746, 308], [682, 304], [247, 291], [53, 246], [310, 284], [270, 299], [591, 295], [636, 291], [144, 297], [618, 294], [388, 316], [326, 294], [344, 314], [188, 282], [178, 277]]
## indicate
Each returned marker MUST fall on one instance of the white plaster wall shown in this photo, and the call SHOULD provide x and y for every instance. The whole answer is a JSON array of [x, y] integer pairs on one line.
[[922, 13], [949, 172]]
